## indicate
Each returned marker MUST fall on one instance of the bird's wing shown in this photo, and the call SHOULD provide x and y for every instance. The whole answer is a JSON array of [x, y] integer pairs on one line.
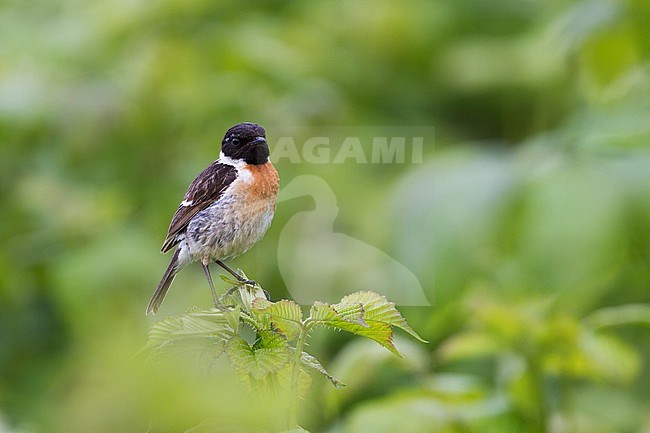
[[208, 186]]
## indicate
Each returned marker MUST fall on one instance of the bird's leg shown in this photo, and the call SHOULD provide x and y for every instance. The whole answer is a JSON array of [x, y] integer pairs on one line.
[[206, 269], [235, 274]]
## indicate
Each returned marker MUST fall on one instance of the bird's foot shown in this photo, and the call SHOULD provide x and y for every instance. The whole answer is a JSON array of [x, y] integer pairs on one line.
[[248, 282], [254, 284]]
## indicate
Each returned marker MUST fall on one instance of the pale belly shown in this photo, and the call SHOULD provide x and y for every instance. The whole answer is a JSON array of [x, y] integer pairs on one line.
[[220, 233]]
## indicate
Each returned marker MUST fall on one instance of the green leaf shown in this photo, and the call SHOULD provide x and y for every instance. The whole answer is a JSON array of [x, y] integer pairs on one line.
[[364, 313], [210, 326], [268, 354], [283, 309], [378, 308], [324, 312], [381, 332], [285, 315], [249, 294], [312, 363], [209, 353], [229, 279], [232, 316]]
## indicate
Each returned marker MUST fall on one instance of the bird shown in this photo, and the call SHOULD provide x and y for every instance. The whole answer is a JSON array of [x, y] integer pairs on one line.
[[226, 210], [331, 261]]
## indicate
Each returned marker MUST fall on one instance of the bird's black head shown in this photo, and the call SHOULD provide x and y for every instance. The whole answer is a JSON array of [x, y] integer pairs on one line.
[[246, 141]]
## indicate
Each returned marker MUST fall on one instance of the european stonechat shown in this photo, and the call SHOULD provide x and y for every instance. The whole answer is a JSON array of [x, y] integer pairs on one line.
[[226, 209]]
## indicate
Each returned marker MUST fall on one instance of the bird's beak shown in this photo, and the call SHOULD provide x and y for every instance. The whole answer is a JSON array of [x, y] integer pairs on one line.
[[259, 140]]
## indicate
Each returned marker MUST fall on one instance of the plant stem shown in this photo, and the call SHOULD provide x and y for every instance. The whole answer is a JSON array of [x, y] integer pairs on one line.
[[295, 376]]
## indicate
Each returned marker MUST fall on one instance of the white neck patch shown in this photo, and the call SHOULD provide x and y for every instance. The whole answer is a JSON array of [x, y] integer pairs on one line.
[[242, 171]]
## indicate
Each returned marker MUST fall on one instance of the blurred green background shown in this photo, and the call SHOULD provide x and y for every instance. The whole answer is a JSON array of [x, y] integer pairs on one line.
[[527, 224]]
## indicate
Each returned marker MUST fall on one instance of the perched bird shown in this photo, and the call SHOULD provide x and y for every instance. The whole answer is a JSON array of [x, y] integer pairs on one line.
[[226, 209]]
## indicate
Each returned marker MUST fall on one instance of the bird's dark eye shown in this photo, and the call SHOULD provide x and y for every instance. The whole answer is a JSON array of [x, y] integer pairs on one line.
[[235, 141]]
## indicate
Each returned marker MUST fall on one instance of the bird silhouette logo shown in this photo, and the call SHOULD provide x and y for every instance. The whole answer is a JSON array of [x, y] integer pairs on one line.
[[317, 263]]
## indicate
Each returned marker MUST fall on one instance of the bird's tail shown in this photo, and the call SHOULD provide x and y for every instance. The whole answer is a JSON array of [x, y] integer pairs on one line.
[[163, 287]]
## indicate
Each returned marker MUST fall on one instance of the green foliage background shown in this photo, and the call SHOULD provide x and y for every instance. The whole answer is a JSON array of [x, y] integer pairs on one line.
[[528, 224]]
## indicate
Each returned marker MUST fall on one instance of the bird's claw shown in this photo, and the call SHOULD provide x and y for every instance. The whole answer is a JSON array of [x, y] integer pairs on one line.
[[254, 284], [248, 282]]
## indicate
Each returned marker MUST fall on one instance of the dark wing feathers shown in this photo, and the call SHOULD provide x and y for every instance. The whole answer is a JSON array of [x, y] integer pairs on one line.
[[202, 192]]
